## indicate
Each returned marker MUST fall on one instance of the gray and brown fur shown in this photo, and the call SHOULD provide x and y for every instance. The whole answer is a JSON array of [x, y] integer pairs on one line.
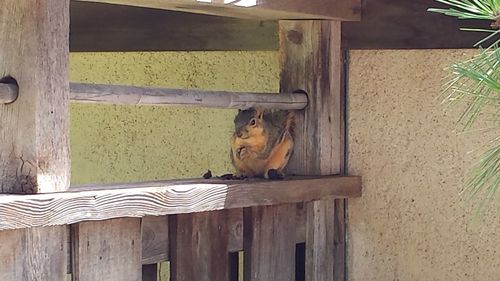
[[262, 141]]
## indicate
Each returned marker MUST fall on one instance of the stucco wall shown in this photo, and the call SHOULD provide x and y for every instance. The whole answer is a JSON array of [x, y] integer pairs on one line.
[[112, 143], [411, 223]]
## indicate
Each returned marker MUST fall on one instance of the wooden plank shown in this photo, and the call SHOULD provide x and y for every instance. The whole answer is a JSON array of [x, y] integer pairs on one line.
[[200, 246], [150, 272], [320, 233], [396, 24], [118, 94], [269, 251], [155, 234], [34, 155], [386, 24], [262, 9], [34, 129], [98, 27], [235, 229], [33, 254], [164, 198], [311, 61], [154, 239], [107, 250]]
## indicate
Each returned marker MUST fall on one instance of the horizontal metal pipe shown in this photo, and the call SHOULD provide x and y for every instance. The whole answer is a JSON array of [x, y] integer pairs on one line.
[[118, 94]]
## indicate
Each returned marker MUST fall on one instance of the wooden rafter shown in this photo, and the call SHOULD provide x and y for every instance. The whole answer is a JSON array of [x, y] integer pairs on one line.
[[346, 10]]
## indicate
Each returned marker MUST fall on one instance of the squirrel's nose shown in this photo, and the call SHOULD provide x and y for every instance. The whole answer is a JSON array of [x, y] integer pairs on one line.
[[239, 134]]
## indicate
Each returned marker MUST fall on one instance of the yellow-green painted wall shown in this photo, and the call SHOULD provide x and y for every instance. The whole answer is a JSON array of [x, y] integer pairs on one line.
[[112, 143]]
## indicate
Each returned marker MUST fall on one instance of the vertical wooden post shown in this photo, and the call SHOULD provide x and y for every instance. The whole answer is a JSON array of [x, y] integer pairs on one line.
[[310, 59], [107, 250], [200, 246], [34, 156], [34, 50], [269, 243]]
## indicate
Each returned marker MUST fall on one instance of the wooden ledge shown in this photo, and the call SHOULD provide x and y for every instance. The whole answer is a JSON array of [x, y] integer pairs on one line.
[[101, 202]]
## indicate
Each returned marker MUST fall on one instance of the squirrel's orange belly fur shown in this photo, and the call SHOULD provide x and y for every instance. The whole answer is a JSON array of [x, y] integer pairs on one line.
[[249, 162], [262, 141]]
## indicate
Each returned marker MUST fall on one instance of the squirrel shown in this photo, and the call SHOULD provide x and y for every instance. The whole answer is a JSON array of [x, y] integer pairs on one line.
[[262, 142]]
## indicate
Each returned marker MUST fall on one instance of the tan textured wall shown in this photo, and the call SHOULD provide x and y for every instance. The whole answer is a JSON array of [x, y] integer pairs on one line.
[[112, 143], [410, 223]]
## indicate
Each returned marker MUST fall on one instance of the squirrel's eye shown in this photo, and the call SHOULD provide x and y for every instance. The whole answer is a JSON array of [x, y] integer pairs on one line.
[[252, 122]]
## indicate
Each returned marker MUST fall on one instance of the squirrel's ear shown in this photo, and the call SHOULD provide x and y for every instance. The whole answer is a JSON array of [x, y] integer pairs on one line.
[[259, 112]]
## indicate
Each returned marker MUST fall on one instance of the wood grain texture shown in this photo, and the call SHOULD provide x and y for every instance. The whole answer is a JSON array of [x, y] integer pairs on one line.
[[33, 254], [107, 250], [164, 198], [262, 9], [235, 229], [98, 27], [311, 61], [155, 242], [118, 94], [199, 246], [34, 147], [320, 233], [34, 130], [396, 24], [269, 251], [155, 234]]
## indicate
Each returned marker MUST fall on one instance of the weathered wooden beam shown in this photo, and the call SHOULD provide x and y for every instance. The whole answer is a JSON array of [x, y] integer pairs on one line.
[[311, 61], [129, 95], [100, 202], [99, 27], [34, 147], [396, 24], [263, 9]]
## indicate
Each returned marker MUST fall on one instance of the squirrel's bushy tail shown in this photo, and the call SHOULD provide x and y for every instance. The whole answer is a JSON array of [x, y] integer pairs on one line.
[[290, 122]]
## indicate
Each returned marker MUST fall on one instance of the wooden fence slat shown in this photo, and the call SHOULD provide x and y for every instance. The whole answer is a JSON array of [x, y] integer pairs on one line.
[[199, 246], [235, 228], [107, 250], [269, 245], [311, 61], [154, 239], [33, 254]]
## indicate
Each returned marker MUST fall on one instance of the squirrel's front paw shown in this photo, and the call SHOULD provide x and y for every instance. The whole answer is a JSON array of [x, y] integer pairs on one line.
[[274, 174], [241, 152]]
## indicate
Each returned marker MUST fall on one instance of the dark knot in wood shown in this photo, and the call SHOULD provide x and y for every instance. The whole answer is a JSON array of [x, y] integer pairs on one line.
[[294, 36]]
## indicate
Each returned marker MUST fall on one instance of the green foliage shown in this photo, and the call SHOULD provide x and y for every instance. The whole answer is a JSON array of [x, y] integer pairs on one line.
[[475, 84]]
